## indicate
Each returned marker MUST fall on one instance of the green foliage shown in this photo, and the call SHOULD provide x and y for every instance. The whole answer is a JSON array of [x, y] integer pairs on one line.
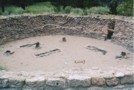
[[113, 6], [61, 9], [125, 8], [12, 10], [2, 68], [76, 11], [68, 9], [87, 7], [39, 8], [98, 10]]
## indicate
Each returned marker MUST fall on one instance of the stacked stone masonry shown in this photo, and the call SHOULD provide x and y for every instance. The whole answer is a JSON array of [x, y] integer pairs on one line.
[[16, 28], [41, 81], [20, 27]]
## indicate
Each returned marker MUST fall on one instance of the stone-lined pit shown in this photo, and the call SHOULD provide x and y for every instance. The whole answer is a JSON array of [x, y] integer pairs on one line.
[[55, 55], [87, 63]]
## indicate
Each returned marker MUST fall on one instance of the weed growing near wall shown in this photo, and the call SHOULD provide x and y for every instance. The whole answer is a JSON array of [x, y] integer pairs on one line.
[[2, 68]]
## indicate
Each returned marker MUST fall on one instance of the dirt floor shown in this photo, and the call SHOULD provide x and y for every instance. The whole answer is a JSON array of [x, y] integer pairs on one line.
[[58, 55]]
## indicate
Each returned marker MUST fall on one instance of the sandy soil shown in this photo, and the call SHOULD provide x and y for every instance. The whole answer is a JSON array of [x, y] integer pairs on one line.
[[73, 54]]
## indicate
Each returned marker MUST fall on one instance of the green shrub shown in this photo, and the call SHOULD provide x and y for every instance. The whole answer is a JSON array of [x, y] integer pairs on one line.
[[56, 9], [68, 9], [76, 11], [39, 8], [4, 13], [2, 68], [125, 9], [12, 10], [98, 10], [61, 9]]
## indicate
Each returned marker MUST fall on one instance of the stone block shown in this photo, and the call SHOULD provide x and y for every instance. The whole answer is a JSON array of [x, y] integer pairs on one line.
[[38, 81], [129, 79], [3, 83], [99, 81], [34, 88], [56, 82], [79, 81], [10, 89], [16, 82], [112, 81]]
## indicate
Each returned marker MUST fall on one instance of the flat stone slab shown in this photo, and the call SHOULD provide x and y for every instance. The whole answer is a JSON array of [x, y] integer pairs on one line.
[[48, 53]]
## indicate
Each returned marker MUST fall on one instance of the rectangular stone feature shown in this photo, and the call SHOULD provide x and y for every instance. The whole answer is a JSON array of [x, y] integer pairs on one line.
[[38, 81], [128, 79], [16, 82], [56, 82], [3, 83], [79, 81]]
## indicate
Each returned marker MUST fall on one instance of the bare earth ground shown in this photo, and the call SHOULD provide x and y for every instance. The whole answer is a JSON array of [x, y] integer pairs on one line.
[[73, 54]]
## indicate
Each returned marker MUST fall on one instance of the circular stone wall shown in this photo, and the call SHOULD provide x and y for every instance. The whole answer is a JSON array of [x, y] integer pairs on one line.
[[78, 63]]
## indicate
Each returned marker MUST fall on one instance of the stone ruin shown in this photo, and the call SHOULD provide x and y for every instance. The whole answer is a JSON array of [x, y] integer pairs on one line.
[[16, 28]]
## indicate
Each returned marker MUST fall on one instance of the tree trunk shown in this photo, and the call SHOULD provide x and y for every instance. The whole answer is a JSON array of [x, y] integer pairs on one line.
[[23, 6], [2, 4], [3, 8], [113, 7]]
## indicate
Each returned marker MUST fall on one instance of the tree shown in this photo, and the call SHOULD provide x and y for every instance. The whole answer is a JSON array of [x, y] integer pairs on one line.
[[23, 4], [2, 4], [114, 4], [126, 8]]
